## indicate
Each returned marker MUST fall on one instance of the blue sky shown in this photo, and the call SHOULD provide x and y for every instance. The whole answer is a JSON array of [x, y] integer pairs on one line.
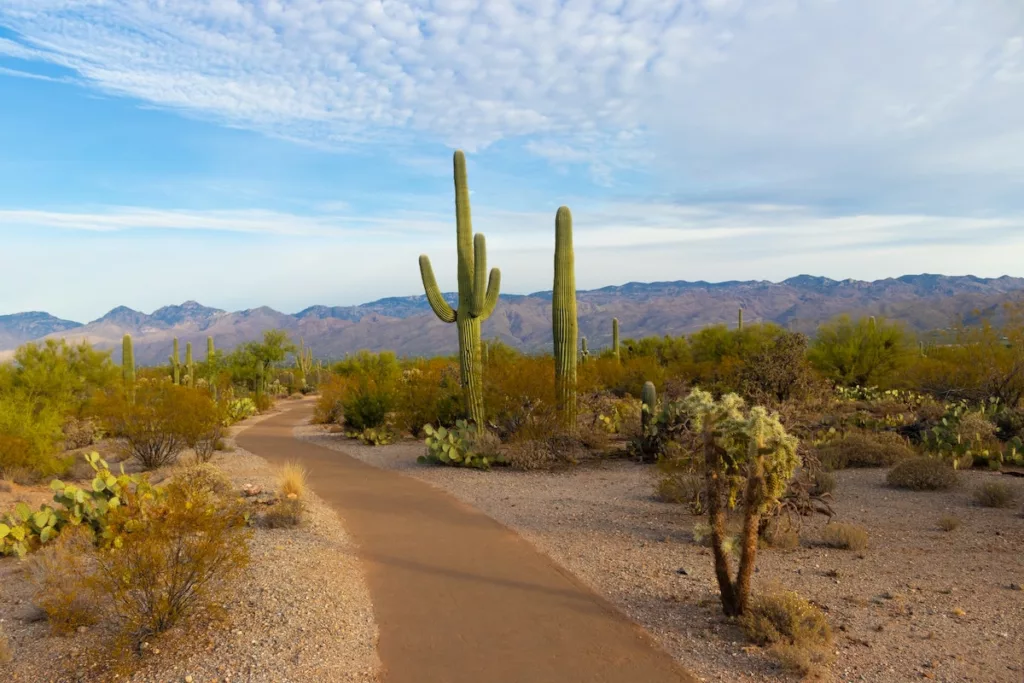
[[292, 152]]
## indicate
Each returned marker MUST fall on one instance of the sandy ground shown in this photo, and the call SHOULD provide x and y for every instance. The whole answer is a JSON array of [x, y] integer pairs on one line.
[[918, 604], [288, 619]]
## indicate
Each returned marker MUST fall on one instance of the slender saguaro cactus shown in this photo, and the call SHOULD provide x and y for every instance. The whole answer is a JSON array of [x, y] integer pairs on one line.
[[303, 362], [190, 368], [128, 366], [175, 363], [564, 325], [740, 326], [648, 398], [478, 294], [615, 337], [584, 351]]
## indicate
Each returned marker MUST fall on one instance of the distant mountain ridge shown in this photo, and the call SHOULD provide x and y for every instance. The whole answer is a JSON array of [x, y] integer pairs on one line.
[[407, 326]]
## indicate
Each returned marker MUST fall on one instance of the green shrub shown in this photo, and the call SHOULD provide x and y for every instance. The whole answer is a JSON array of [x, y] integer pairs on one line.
[[864, 449], [845, 536], [366, 407], [30, 436], [995, 494], [923, 474]]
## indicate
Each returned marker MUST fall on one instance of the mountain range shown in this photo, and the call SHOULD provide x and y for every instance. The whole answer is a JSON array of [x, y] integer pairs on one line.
[[407, 326]]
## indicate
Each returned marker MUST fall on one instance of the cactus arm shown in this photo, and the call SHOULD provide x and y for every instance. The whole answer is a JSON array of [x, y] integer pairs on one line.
[[440, 307], [479, 275], [493, 289]]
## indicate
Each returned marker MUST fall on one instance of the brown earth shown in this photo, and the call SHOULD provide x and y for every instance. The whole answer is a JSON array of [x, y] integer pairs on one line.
[[458, 597]]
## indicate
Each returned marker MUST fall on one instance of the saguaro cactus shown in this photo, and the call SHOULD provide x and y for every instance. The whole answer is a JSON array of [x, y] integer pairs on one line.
[[615, 337], [740, 325], [584, 351], [190, 368], [175, 363], [128, 365], [303, 363], [478, 294], [648, 398], [564, 325]]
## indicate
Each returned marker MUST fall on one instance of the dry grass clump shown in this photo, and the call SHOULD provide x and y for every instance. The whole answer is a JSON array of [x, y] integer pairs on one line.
[[845, 536], [824, 482], [995, 494], [681, 487], [781, 537], [287, 512], [796, 631], [864, 449], [61, 573], [923, 474], [949, 523]]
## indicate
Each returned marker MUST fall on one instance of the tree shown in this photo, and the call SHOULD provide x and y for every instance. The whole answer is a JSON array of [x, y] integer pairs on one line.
[[864, 352]]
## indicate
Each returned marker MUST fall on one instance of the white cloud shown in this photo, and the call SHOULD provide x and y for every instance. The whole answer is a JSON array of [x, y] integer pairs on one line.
[[301, 261], [829, 97]]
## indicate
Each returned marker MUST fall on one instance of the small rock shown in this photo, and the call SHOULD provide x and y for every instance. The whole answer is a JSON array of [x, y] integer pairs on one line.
[[683, 571]]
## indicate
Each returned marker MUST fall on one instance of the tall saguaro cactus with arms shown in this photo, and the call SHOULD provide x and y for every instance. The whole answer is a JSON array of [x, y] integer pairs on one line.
[[478, 295], [564, 324]]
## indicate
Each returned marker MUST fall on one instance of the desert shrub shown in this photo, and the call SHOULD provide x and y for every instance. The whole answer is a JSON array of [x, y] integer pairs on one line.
[[159, 423], [30, 436], [61, 376], [864, 449], [199, 420], [329, 405], [823, 482], [682, 484], [366, 406], [203, 475], [263, 400], [845, 536], [922, 474], [995, 494], [780, 372], [859, 352], [61, 574], [949, 523], [797, 631], [781, 536], [79, 433], [171, 556], [286, 513], [429, 393], [373, 436], [519, 398], [1009, 424]]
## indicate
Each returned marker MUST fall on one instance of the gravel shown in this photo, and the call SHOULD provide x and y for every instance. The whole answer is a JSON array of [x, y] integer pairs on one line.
[[918, 604], [301, 612]]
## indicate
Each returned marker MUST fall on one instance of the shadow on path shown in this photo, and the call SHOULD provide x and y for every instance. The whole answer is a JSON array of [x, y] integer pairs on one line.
[[458, 597]]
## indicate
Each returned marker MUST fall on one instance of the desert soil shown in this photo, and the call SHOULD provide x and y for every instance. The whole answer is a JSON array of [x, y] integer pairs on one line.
[[289, 618], [918, 604]]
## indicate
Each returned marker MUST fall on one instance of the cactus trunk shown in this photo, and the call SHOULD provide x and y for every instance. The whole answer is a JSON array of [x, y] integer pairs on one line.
[[128, 366], [175, 363], [615, 337], [189, 365], [478, 294], [564, 324], [740, 324], [584, 351]]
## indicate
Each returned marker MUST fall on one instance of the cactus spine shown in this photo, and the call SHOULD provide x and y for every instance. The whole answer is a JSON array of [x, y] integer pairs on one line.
[[478, 294], [564, 325], [584, 351], [175, 363], [190, 374], [128, 365], [740, 325], [303, 363], [615, 337]]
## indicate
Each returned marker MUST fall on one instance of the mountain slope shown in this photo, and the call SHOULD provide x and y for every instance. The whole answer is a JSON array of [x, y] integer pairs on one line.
[[407, 325]]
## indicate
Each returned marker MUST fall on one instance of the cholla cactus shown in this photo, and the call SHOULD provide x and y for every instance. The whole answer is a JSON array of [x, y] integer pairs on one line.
[[564, 324], [478, 294]]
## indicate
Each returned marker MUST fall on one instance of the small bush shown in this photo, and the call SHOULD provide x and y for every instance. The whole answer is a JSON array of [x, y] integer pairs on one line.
[[864, 449], [949, 523], [329, 405], [995, 494], [845, 536], [171, 557], [682, 487], [263, 401], [366, 407], [284, 514], [796, 630], [823, 482], [79, 433], [781, 536], [923, 474], [204, 476], [61, 574]]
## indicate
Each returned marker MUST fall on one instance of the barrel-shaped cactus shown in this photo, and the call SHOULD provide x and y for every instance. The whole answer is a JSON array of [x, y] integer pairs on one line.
[[564, 324], [615, 337], [478, 294], [176, 363]]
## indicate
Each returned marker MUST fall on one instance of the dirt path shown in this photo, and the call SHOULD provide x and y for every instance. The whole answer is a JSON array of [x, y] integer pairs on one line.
[[458, 597]]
